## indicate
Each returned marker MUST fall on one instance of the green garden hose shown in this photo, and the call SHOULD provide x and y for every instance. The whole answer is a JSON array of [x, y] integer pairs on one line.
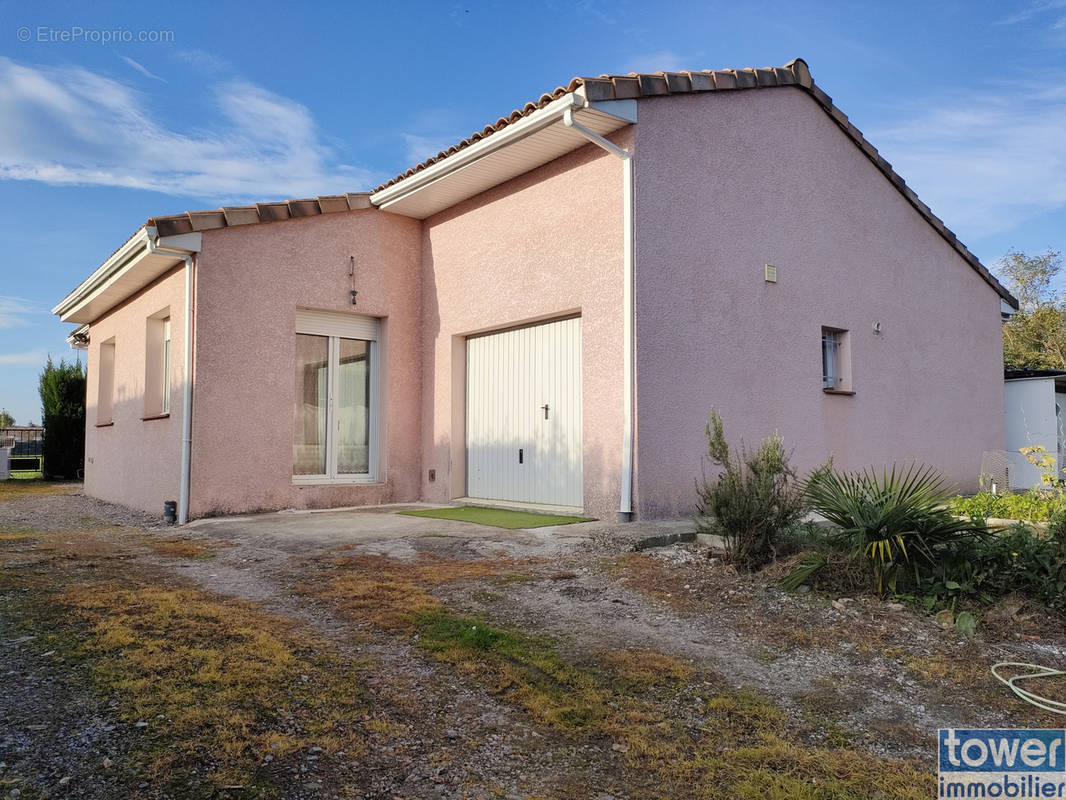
[[1032, 671]]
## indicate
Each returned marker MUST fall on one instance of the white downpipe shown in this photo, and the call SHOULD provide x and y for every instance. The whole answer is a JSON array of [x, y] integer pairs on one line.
[[625, 506], [186, 400]]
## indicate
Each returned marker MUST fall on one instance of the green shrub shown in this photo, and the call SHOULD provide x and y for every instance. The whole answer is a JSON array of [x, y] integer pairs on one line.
[[1016, 560], [1035, 505], [896, 520], [752, 500], [1027, 562], [62, 389]]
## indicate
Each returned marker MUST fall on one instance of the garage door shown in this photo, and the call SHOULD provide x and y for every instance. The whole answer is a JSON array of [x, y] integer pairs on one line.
[[523, 414]]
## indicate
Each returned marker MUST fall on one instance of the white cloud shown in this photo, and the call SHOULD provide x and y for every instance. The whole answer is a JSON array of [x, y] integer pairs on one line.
[[660, 61], [419, 148], [32, 358], [13, 311], [1035, 9], [984, 162], [67, 125], [141, 68], [204, 61]]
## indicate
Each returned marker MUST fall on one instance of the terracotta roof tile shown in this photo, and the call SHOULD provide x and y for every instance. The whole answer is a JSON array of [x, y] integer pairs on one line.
[[600, 88], [231, 216]]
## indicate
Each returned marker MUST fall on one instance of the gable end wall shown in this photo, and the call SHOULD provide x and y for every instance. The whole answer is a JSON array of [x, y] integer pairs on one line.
[[729, 182]]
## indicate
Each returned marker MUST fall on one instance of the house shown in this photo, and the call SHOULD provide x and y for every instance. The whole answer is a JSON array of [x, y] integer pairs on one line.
[[1035, 405], [545, 314]]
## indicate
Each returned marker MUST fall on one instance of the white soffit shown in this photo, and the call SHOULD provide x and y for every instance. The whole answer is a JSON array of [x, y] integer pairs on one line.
[[513, 151], [124, 274]]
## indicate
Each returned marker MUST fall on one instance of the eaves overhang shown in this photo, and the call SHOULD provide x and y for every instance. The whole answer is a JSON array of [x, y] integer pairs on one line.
[[129, 269], [531, 142]]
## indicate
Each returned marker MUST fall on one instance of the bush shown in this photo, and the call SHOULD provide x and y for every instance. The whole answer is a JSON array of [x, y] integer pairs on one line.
[[753, 499], [896, 520], [62, 389], [1035, 505]]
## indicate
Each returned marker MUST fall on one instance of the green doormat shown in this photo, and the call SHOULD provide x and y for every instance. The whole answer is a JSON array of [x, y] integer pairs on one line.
[[497, 517]]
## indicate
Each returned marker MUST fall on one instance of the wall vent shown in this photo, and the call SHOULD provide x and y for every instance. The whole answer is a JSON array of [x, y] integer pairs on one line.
[[771, 273]]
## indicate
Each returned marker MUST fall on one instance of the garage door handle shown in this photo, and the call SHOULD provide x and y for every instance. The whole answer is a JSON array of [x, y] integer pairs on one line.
[[519, 455], [545, 407]]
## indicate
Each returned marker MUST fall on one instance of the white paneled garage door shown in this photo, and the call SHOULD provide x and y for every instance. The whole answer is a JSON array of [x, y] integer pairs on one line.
[[523, 414]]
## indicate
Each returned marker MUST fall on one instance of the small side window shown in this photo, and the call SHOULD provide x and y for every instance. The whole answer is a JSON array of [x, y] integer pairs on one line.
[[105, 383], [836, 360], [157, 365]]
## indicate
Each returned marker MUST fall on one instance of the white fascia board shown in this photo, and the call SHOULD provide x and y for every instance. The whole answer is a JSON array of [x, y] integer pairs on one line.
[[137, 243], [527, 126], [124, 259], [623, 109], [189, 242]]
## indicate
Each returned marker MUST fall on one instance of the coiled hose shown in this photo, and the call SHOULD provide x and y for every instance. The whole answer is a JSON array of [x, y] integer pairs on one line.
[[1031, 671]]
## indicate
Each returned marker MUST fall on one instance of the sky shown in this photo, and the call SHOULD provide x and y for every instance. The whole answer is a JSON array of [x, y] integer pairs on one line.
[[113, 113]]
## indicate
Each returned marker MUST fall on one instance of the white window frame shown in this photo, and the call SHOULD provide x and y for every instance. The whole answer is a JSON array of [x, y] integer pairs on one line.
[[335, 327], [157, 365], [105, 383], [165, 375], [836, 360]]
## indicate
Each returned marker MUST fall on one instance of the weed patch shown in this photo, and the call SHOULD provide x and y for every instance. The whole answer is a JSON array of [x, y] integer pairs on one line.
[[182, 548], [216, 693], [12, 490], [676, 730]]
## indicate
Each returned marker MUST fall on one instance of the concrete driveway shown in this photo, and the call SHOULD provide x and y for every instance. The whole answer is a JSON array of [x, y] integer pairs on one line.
[[383, 530]]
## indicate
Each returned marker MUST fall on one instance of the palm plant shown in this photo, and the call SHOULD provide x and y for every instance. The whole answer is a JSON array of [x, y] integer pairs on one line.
[[893, 519]]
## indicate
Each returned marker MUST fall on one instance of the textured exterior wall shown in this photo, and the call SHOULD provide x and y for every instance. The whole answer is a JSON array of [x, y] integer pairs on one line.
[[727, 183], [544, 244], [136, 462], [250, 280]]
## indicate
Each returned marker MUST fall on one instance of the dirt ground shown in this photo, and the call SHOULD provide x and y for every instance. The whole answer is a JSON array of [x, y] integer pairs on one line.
[[364, 655]]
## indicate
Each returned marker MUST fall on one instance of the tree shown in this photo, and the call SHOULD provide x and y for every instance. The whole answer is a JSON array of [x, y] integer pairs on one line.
[[62, 390], [6, 420], [1035, 337]]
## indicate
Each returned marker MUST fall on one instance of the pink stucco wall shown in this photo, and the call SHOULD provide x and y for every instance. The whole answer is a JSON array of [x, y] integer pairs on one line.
[[250, 281], [133, 461], [725, 183], [545, 244], [729, 182]]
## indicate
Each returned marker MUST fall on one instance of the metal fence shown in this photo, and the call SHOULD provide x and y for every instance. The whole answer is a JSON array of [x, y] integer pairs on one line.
[[22, 450]]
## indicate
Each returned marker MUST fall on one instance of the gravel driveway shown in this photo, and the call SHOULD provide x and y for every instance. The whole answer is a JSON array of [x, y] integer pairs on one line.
[[852, 679]]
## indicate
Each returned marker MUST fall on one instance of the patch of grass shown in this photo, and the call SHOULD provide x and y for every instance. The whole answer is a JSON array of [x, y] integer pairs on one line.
[[182, 548], [647, 575], [833, 733], [220, 684], [642, 667], [391, 594], [677, 731], [736, 744], [16, 537], [959, 671], [215, 677], [496, 517], [12, 490]]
